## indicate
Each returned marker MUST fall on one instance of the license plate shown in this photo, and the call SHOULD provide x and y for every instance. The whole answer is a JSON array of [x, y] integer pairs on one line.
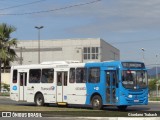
[[136, 100]]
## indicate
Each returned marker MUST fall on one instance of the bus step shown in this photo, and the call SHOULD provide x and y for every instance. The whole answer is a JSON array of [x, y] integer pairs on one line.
[[62, 103]]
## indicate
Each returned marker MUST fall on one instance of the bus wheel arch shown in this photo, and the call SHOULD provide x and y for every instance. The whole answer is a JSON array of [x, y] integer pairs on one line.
[[39, 99], [96, 101]]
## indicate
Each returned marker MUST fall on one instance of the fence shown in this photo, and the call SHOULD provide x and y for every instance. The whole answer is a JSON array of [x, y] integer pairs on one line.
[[154, 93]]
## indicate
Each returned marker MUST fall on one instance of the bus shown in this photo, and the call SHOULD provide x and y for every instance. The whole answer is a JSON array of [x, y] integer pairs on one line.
[[97, 84]]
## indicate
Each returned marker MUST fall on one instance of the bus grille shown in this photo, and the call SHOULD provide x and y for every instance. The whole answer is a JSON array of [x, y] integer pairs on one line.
[[138, 96]]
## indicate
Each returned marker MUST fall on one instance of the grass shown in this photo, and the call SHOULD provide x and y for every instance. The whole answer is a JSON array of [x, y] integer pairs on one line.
[[154, 98], [62, 111], [5, 94]]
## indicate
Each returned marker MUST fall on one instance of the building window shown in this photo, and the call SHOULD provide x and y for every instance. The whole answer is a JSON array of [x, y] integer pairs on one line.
[[90, 53]]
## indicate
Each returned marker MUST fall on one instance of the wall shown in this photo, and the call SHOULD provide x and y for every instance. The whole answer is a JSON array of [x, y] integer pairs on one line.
[[5, 78], [109, 52]]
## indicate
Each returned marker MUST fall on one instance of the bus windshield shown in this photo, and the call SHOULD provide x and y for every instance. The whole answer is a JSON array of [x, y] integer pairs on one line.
[[134, 79]]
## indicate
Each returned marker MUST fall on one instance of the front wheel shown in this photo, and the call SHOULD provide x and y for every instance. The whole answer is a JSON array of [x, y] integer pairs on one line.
[[39, 100], [96, 102]]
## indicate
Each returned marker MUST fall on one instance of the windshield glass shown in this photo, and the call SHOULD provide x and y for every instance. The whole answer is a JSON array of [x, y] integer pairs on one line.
[[134, 79]]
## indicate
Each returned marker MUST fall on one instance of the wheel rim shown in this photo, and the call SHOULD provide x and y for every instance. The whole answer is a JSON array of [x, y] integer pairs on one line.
[[96, 103], [39, 101]]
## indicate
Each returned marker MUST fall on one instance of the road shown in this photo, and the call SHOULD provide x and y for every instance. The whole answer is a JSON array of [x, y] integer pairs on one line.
[[110, 111], [152, 106]]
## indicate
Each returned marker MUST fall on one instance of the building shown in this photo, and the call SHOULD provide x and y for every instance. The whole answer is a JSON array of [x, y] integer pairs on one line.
[[83, 50]]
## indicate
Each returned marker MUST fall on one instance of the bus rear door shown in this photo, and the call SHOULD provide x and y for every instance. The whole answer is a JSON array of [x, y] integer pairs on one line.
[[62, 78]]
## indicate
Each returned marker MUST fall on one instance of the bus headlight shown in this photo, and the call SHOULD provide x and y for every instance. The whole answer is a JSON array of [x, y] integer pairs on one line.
[[130, 96]]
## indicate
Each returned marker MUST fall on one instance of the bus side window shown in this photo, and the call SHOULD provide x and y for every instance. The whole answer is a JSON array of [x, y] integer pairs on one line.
[[94, 75], [47, 76], [14, 79], [72, 75], [80, 75], [34, 76]]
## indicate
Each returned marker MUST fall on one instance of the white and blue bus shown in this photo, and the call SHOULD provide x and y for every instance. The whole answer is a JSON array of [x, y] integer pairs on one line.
[[118, 83]]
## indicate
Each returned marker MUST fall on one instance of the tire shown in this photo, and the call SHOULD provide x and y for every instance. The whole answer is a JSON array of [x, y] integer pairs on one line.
[[96, 102], [39, 99], [123, 107]]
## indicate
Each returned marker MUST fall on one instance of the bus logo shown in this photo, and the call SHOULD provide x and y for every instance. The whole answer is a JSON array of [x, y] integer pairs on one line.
[[48, 88], [14, 88]]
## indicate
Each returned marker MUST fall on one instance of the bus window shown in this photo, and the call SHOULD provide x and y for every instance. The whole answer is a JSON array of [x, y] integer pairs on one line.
[[59, 79], [114, 78], [72, 75], [108, 78], [80, 75], [47, 75], [65, 78], [94, 75], [14, 79], [34, 76], [23, 79]]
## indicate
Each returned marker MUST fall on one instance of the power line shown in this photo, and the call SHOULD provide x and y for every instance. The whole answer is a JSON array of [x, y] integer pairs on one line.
[[22, 5], [53, 10]]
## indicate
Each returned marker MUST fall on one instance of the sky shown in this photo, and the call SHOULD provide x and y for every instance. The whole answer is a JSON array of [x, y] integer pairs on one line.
[[129, 25]]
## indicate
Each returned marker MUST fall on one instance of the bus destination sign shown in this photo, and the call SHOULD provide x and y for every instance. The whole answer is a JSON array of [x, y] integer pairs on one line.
[[133, 65]]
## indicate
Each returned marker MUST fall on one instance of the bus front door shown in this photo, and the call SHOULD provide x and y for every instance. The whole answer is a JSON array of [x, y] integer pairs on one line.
[[62, 86], [22, 84], [111, 78]]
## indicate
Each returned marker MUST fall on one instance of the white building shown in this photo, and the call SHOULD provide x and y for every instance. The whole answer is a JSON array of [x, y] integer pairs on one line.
[[83, 50]]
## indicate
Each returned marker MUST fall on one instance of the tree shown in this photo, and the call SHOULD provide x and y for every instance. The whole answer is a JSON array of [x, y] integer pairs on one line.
[[152, 84], [7, 53]]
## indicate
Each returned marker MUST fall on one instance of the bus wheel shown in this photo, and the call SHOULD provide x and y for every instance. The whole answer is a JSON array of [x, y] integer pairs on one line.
[[39, 100], [123, 107], [96, 102]]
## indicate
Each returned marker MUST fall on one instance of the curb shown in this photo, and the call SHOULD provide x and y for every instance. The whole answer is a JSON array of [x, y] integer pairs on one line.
[[4, 97], [154, 101]]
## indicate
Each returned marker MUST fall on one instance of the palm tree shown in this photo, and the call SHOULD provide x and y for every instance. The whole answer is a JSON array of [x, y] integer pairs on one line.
[[7, 53]]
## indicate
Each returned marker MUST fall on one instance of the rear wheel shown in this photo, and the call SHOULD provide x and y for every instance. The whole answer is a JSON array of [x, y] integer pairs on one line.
[[96, 102], [39, 99], [123, 107]]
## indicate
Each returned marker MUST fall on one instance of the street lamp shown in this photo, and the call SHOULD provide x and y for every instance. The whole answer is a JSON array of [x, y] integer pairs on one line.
[[143, 53], [40, 27]]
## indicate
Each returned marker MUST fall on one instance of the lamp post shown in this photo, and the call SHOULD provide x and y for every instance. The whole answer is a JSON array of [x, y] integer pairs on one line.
[[157, 88], [143, 54], [40, 27]]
